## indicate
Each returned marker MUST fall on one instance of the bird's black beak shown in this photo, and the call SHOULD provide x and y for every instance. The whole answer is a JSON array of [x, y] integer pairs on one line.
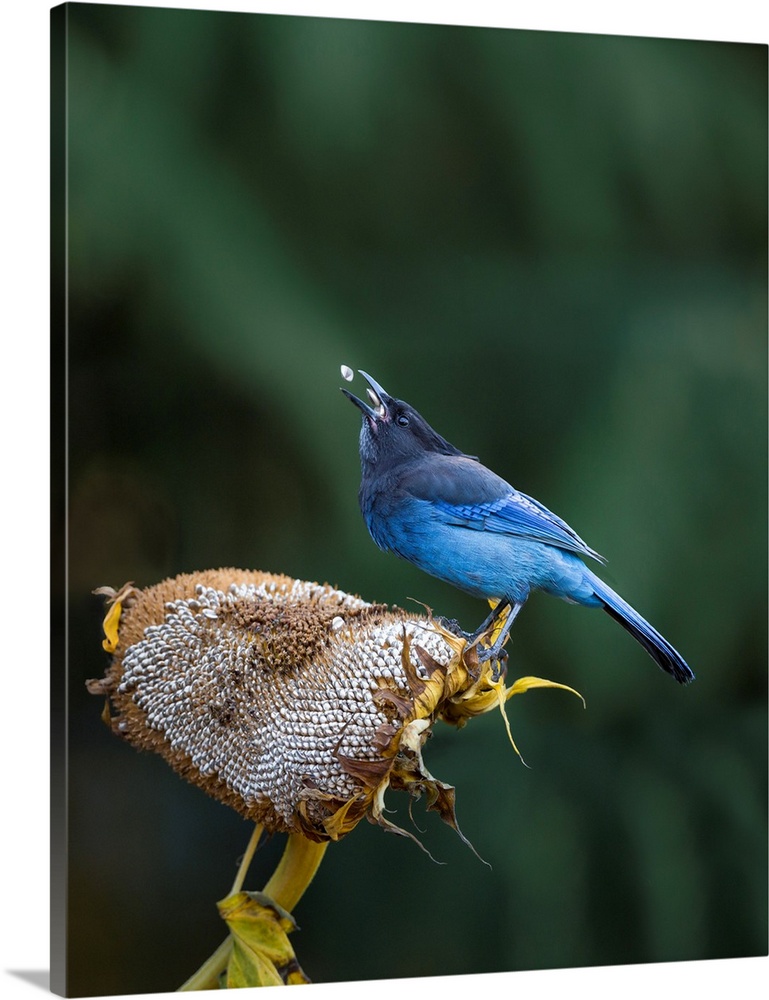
[[380, 401]]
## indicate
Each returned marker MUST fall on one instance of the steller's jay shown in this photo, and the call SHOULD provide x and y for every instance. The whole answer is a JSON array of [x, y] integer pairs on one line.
[[440, 509]]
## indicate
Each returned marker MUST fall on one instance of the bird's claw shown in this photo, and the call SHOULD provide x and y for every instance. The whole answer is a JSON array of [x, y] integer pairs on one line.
[[500, 670], [486, 653], [482, 653], [453, 626]]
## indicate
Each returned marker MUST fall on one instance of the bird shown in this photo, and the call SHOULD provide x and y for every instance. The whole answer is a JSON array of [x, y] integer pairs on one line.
[[442, 510]]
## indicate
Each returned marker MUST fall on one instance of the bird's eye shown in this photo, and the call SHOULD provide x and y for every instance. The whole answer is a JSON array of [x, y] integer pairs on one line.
[[402, 420]]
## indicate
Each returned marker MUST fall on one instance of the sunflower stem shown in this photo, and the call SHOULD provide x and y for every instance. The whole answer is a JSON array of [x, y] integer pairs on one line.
[[295, 870], [207, 976], [240, 878]]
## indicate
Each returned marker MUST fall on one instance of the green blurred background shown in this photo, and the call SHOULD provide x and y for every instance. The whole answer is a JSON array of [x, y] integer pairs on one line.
[[554, 246]]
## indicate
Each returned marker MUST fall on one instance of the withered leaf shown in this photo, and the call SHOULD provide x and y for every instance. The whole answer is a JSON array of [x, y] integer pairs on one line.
[[261, 953]]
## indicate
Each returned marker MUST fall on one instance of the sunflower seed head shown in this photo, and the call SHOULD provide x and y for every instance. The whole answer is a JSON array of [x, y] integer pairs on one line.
[[295, 703]]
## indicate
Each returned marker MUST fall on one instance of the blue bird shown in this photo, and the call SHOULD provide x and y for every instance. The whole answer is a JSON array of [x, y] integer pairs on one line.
[[443, 511]]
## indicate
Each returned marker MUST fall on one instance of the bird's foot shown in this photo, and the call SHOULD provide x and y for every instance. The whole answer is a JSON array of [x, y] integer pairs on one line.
[[453, 626], [483, 653], [500, 670], [486, 653]]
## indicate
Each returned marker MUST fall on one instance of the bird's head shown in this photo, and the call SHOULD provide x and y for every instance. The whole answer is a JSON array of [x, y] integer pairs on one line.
[[392, 431]]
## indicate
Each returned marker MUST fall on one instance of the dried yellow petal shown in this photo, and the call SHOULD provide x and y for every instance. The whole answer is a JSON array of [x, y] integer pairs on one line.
[[110, 626]]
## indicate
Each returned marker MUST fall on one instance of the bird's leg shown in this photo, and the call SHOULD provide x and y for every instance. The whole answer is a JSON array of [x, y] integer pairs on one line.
[[453, 626], [493, 651], [496, 650], [490, 618]]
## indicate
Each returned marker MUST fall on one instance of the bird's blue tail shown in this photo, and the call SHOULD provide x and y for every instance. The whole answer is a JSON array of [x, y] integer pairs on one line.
[[660, 650]]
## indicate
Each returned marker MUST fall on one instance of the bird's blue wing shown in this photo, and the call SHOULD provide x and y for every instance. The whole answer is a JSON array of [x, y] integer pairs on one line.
[[465, 493], [518, 514]]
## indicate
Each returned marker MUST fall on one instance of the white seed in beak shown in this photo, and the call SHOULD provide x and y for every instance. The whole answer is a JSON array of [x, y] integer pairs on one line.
[[346, 373]]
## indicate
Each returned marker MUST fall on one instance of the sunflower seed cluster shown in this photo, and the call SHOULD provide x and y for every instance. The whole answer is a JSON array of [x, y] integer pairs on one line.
[[260, 691]]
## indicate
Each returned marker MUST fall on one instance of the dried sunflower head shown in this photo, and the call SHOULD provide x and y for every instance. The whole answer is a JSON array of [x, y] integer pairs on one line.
[[295, 703]]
